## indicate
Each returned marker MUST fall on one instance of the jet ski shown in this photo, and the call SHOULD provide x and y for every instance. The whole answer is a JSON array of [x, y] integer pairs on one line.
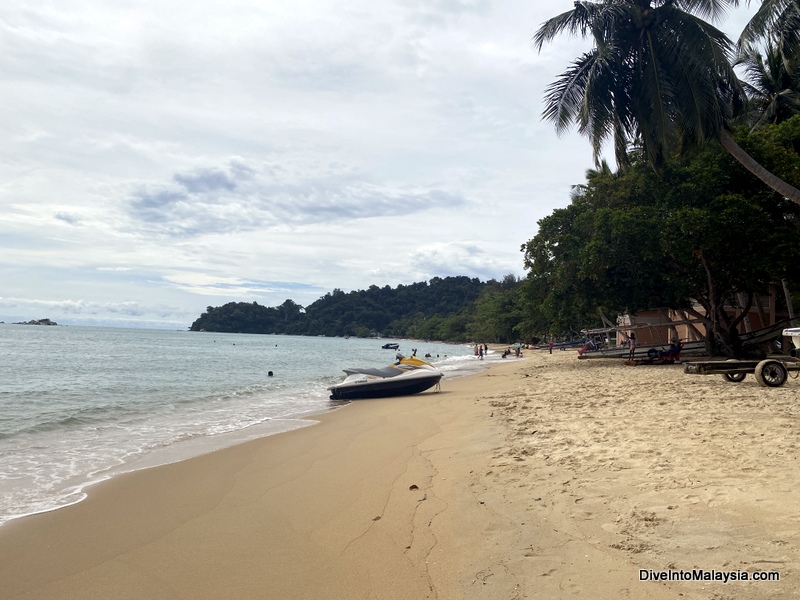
[[794, 334], [405, 377]]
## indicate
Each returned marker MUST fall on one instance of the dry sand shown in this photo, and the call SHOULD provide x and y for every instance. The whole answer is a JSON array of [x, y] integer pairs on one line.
[[542, 478]]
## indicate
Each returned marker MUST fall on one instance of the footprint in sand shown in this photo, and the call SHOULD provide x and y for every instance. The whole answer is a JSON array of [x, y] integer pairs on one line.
[[718, 497]]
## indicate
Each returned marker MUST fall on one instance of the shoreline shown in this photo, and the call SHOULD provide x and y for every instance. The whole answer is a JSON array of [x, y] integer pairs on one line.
[[93, 451], [78, 547], [199, 446], [537, 478]]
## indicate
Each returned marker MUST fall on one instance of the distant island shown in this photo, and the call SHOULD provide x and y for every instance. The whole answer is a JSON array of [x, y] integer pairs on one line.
[[441, 309], [453, 309], [37, 322]]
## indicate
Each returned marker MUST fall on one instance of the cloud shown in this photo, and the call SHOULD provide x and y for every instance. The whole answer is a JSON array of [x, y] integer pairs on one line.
[[276, 149], [466, 258], [74, 307], [234, 287], [443, 13], [240, 197], [205, 181], [68, 217]]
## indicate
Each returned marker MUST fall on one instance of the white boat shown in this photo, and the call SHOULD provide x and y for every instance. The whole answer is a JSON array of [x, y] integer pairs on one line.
[[597, 345], [794, 334], [405, 377], [597, 349]]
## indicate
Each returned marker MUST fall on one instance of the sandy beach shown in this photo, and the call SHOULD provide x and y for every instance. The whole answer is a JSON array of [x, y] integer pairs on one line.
[[547, 477]]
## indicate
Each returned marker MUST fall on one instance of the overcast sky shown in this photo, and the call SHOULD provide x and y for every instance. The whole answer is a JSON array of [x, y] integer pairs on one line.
[[158, 157]]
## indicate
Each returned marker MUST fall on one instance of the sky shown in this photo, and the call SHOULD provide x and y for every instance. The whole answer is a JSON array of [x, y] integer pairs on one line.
[[159, 157]]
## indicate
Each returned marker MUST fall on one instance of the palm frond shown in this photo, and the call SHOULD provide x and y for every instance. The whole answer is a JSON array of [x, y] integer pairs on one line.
[[763, 21], [599, 115], [564, 97], [652, 75], [776, 22], [773, 91], [575, 22], [621, 144], [710, 9], [695, 56]]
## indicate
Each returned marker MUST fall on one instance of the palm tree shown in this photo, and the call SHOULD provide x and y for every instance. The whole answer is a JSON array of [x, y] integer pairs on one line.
[[777, 21], [774, 90], [658, 77]]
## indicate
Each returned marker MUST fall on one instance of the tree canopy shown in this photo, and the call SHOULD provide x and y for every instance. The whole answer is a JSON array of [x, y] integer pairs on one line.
[[705, 231], [450, 308]]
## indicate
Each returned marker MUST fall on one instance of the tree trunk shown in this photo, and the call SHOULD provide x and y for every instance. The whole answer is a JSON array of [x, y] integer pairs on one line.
[[726, 339], [732, 335], [748, 162], [712, 296], [707, 322], [727, 334], [746, 301], [741, 299]]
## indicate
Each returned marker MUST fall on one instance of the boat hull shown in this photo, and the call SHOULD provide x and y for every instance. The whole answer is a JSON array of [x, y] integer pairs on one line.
[[643, 352], [365, 387]]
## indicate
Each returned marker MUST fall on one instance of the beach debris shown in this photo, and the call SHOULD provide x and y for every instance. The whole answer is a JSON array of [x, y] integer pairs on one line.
[[413, 487]]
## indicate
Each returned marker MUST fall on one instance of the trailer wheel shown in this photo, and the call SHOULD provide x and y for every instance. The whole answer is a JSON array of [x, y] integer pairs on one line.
[[735, 377], [770, 373]]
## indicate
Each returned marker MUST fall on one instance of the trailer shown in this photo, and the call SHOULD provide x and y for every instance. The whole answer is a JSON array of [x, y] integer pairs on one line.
[[771, 372]]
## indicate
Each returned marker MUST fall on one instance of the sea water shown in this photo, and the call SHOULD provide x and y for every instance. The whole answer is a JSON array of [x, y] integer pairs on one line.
[[79, 405]]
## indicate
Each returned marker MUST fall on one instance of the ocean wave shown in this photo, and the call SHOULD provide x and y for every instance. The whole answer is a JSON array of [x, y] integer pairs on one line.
[[79, 412]]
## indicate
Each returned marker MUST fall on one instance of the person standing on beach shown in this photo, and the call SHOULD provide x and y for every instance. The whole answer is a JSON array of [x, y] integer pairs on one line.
[[632, 345], [480, 351], [550, 345]]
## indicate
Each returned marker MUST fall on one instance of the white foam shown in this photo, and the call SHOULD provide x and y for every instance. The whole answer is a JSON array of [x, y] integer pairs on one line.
[[113, 416]]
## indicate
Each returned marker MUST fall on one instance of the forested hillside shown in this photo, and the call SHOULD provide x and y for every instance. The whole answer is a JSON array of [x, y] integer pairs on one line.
[[442, 308]]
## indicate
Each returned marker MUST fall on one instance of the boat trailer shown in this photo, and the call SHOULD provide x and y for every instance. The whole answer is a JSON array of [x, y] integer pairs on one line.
[[771, 372]]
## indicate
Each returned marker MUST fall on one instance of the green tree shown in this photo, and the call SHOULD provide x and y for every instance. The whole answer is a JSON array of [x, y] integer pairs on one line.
[[705, 232], [659, 77], [498, 312], [777, 24], [772, 88]]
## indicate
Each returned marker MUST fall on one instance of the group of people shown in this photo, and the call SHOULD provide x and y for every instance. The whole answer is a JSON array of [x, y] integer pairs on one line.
[[517, 352], [481, 350]]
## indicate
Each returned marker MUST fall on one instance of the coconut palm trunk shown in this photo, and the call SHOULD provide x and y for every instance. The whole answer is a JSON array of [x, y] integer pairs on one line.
[[748, 162]]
